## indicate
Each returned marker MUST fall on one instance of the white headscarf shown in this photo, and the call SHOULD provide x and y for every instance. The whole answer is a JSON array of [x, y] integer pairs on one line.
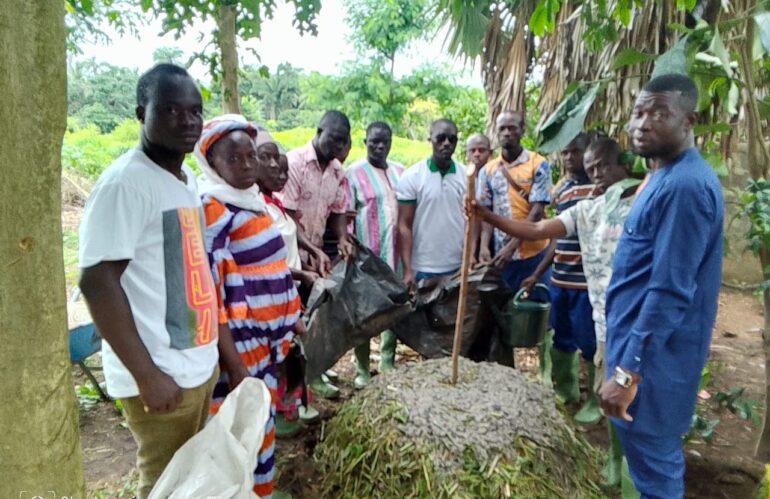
[[210, 182]]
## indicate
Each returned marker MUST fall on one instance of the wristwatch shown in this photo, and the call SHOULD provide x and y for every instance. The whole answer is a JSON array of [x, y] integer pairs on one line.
[[622, 378]]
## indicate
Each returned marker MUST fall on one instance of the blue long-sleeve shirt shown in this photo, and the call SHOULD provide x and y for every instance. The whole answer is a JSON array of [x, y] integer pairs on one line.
[[662, 301]]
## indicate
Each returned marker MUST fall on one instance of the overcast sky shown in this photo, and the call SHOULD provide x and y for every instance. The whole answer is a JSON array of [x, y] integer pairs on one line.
[[280, 42]]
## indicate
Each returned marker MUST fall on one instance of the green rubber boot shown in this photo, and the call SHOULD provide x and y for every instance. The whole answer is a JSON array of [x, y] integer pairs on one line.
[[612, 471], [590, 413], [565, 375], [324, 389], [285, 428], [362, 366], [309, 414], [387, 351], [627, 487]]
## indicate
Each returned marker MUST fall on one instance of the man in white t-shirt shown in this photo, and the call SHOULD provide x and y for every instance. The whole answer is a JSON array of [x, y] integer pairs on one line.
[[431, 223], [598, 223], [146, 277]]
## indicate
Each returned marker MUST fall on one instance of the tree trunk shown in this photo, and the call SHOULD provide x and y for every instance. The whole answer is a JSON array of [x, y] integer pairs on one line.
[[505, 63], [40, 448], [759, 162], [228, 53], [763, 445]]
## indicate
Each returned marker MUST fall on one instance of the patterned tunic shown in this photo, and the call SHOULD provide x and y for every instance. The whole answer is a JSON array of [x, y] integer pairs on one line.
[[257, 300], [533, 174], [372, 195]]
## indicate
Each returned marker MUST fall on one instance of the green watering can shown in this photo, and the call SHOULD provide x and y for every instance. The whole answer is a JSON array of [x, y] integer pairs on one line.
[[523, 323]]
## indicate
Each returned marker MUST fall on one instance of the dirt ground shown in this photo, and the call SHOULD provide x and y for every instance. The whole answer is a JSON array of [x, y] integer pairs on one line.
[[724, 469]]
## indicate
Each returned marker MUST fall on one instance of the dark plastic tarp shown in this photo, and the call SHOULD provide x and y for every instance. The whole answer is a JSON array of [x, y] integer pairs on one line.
[[429, 329], [357, 301]]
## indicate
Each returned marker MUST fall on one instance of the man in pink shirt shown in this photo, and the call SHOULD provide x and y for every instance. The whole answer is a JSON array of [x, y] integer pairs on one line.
[[315, 192], [314, 196]]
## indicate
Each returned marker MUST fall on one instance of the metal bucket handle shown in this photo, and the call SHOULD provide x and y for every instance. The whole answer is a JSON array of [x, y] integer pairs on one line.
[[519, 293]]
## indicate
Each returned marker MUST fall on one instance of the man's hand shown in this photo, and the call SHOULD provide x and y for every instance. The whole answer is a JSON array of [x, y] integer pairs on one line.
[[321, 263], [484, 255], [409, 280], [307, 278], [474, 209], [235, 375], [530, 282], [347, 248], [615, 399], [159, 392], [505, 256], [299, 328]]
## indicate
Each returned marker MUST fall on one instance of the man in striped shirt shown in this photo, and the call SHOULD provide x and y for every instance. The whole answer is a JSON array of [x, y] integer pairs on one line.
[[371, 193], [571, 313]]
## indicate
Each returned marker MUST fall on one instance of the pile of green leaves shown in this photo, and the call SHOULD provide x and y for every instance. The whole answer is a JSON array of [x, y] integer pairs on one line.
[[363, 454]]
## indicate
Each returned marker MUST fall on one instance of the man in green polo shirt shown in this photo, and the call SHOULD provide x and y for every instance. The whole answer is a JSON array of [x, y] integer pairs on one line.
[[431, 223]]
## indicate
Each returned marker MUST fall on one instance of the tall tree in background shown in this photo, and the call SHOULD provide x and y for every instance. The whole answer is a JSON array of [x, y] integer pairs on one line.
[[85, 20], [234, 19], [578, 39], [386, 27], [278, 92], [40, 449], [101, 93], [170, 55], [495, 35]]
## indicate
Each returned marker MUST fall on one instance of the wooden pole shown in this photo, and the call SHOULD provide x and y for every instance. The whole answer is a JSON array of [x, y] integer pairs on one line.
[[463, 298]]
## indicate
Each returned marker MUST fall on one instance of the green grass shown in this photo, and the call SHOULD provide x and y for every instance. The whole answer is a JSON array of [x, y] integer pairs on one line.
[[70, 247], [88, 152]]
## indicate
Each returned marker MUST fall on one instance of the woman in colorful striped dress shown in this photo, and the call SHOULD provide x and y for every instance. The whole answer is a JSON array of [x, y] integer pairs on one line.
[[258, 302]]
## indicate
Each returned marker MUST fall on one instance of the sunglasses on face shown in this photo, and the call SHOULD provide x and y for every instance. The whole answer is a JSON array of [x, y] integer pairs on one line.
[[442, 137]]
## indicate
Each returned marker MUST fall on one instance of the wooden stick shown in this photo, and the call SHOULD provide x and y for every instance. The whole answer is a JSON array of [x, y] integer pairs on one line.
[[463, 298]]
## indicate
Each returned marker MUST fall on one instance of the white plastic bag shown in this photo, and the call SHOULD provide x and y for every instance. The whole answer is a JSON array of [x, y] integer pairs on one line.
[[220, 460]]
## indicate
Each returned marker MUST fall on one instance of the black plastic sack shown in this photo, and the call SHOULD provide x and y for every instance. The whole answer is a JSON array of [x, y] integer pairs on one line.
[[429, 329], [357, 301]]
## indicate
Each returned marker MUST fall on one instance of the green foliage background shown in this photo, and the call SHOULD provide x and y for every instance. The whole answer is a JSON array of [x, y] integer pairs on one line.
[[88, 152], [101, 124]]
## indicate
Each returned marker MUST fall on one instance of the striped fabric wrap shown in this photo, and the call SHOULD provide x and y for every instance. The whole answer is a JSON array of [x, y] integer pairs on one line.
[[258, 301], [567, 262], [216, 129]]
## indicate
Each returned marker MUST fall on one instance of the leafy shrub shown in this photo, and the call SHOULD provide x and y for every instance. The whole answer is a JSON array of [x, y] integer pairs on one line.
[[89, 152]]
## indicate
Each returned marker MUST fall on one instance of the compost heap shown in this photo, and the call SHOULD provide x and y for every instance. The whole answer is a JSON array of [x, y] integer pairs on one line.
[[497, 433]]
